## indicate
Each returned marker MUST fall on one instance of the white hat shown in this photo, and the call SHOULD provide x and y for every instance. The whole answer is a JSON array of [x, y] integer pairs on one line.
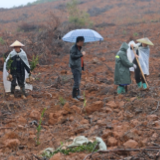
[[145, 41], [17, 44]]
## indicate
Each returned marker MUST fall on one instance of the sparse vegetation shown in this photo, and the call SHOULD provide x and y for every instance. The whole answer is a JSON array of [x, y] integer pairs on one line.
[[34, 62], [27, 27], [124, 32], [135, 34], [97, 11], [83, 148], [2, 41], [39, 128], [85, 101], [40, 1], [62, 101], [77, 17]]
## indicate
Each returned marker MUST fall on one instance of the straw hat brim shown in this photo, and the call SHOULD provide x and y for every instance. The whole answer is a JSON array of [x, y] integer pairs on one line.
[[17, 44], [145, 41]]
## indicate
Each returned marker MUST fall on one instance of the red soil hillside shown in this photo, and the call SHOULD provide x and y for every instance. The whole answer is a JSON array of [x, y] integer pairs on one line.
[[101, 11], [127, 122]]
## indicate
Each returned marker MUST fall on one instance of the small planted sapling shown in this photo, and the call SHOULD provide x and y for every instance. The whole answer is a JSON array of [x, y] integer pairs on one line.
[[9, 67], [33, 65], [39, 128], [85, 101], [62, 101]]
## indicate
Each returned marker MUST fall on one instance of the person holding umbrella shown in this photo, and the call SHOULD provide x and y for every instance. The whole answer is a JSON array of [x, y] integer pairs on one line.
[[77, 65], [122, 73], [79, 37]]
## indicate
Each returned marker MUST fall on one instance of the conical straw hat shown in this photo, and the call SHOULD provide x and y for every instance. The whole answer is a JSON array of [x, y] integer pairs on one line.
[[17, 44], [145, 41]]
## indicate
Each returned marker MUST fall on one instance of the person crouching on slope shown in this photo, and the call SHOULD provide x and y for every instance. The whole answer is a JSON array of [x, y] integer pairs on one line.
[[17, 68], [122, 65], [77, 65]]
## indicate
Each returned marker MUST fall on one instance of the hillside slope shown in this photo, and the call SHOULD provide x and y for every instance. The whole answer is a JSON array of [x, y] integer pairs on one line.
[[126, 123], [122, 12]]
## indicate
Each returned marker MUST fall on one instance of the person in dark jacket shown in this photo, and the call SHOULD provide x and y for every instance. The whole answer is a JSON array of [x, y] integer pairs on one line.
[[122, 73], [77, 65], [17, 63]]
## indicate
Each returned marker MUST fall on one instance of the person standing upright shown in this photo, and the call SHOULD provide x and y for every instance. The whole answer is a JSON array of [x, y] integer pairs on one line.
[[143, 53], [77, 65], [19, 63], [122, 73]]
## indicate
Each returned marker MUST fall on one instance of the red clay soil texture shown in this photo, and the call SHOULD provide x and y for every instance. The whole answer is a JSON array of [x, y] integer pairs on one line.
[[128, 122]]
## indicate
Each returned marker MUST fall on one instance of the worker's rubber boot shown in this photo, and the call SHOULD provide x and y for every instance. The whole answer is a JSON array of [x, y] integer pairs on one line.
[[79, 95], [124, 90], [12, 91], [23, 93], [144, 86], [139, 85], [74, 94], [120, 90]]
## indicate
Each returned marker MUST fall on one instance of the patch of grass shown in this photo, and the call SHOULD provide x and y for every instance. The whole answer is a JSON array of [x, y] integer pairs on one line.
[[154, 21], [135, 34], [62, 101], [2, 41], [83, 148], [124, 32], [128, 100], [39, 128]]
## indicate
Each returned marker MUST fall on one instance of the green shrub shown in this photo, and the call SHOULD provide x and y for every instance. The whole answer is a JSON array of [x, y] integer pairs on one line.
[[34, 62], [77, 17]]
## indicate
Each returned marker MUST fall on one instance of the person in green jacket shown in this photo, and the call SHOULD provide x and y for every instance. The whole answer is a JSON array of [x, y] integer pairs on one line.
[[122, 73]]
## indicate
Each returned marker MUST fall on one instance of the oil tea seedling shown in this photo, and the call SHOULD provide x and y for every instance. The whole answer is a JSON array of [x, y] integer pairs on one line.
[[34, 63], [9, 63], [39, 128], [62, 101], [84, 103]]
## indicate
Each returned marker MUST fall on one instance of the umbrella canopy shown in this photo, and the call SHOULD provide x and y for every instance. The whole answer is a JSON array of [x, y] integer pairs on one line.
[[145, 41], [88, 34]]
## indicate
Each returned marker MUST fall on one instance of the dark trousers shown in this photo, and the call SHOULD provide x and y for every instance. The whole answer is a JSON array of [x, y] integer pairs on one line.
[[137, 72], [138, 76], [77, 78], [18, 77]]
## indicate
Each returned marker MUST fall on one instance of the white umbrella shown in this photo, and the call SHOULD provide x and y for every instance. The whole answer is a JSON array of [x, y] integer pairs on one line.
[[88, 34]]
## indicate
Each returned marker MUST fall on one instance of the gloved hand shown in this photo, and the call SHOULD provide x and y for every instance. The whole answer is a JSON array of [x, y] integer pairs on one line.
[[135, 66]]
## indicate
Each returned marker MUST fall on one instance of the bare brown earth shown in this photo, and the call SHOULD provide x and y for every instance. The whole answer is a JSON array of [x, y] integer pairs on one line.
[[125, 121], [129, 121]]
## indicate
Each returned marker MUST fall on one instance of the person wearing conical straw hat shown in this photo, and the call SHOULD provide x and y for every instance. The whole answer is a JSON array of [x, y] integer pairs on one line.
[[143, 54], [16, 65]]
